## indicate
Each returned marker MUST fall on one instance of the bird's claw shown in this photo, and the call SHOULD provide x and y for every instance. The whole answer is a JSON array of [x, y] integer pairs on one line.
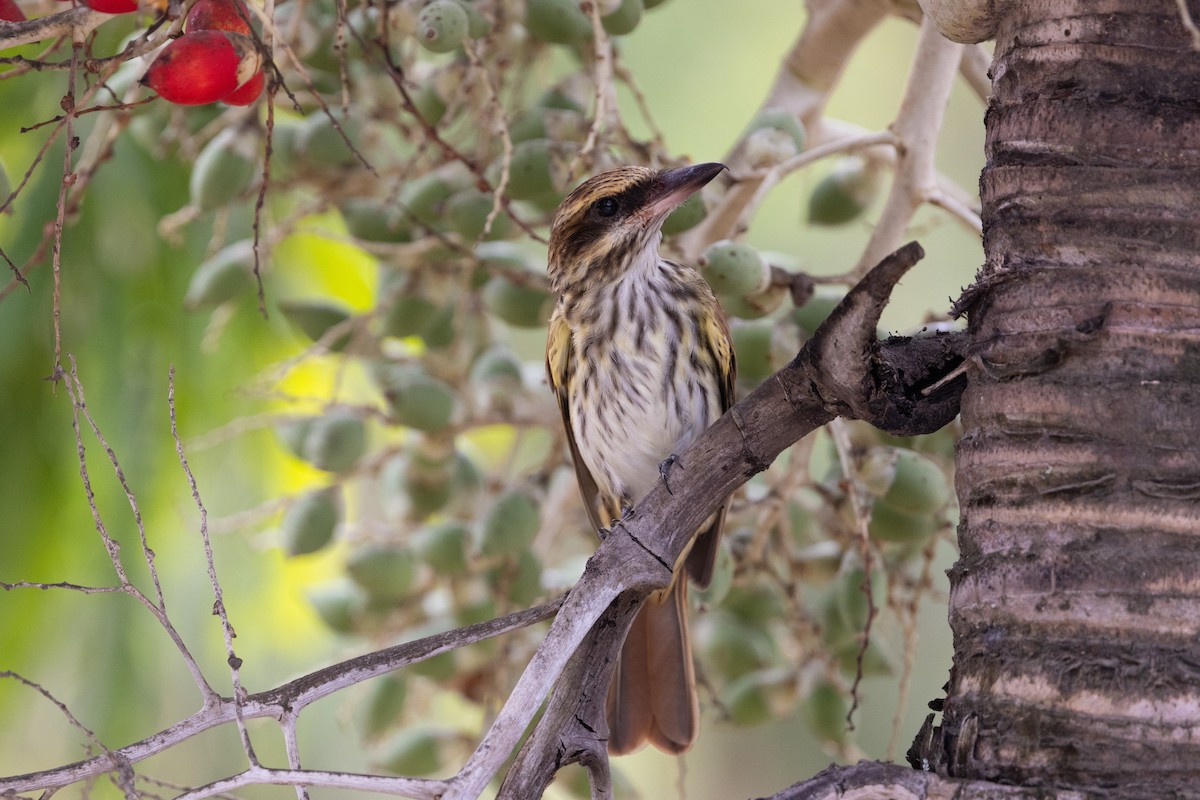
[[664, 470]]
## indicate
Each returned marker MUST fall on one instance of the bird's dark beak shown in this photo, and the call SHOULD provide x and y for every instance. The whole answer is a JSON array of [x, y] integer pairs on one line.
[[673, 186]]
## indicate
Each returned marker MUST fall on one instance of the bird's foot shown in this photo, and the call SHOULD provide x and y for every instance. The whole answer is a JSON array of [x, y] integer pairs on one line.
[[664, 470]]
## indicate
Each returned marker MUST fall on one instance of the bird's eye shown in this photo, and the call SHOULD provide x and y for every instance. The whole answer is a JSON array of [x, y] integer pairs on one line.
[[606, 206]]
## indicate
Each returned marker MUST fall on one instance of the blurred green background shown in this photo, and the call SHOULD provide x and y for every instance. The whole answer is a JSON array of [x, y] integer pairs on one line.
[[704, 66]]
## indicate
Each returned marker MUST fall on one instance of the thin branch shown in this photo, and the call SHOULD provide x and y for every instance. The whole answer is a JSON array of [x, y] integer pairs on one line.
[[806, 78], [772, 177], [80, 20], [602, 77], [219, 604], [109, 759], [111, 545], [256, 776], [917, 126], [291, 697]]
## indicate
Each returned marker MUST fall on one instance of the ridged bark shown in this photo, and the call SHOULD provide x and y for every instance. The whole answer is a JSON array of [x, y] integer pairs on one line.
[[1075, 605]]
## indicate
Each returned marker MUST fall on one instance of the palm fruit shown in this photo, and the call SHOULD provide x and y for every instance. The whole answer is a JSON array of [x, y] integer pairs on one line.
[[309, 523], [519, 306], [442, 25], [385, 571], [845, 193], [624, 19], [415, 399], [509, 526], [224, 169], [221, 278], [557, 21], [335, 441], [688, 215], [443, 546], [734, 269]]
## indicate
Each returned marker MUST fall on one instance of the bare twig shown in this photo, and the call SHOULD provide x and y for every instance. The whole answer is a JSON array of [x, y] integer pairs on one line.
[[219, 610], [291, 697], [111, 545], [917, 126]]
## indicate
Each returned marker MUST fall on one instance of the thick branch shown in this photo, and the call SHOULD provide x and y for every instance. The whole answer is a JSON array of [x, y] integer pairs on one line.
[[797, 400], [868, 780], [841, 370]]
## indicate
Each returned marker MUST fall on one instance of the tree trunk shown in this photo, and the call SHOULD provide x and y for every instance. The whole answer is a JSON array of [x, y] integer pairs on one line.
[[1075, 605]]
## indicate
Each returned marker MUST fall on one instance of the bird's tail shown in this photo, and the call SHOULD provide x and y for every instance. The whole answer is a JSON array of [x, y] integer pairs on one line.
[[653, 693]]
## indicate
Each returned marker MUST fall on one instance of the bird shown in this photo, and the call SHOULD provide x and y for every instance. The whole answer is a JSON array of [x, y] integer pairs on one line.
[[640, 359]]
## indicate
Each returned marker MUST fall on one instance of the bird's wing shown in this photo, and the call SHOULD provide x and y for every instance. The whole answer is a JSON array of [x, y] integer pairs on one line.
[[702, 558], [559, 367]]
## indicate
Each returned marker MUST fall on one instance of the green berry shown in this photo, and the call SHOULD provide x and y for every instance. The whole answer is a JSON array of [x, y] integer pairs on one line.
[[385, 703], [415, 398], [557, 21], [752, 345], [688, 215], [734, 268], [221, 278], [224, 169], [624, 19], [733, 647], [386, 572], [423, 199], [534, 171], [439, 667], [321, 142], [519, 306], [443, 546], [919, 485], [748, 698], [509, 526], [780, 119], [754, 605], [309, 523], [468, 211], [409, 315], [372, 221], [497, 366], [521, 578], [851, 600], [478, 25], [335, 441], [845, 193], [825, 710], [442, 25], [756, 305], [340, 605]]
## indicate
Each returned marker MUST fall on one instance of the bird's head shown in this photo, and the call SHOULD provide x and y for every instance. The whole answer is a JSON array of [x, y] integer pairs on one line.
[[611, 221]]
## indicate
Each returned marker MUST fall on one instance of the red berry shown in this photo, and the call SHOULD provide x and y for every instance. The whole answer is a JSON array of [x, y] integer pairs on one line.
[[112, 6], [247, 93], [220, 15], [11, 12], [202, 67]]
